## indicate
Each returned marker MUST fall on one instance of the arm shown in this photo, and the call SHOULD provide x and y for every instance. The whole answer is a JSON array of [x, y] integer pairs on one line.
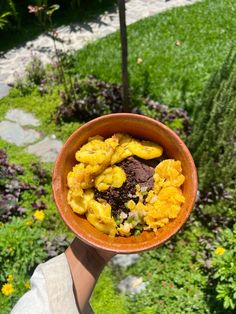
[[86, 263], [64, 283]]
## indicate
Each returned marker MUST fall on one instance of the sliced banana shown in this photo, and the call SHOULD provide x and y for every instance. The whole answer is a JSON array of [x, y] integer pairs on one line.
[[99, 215], [145, 149], [95, 152], [80, 204], [111, 177]]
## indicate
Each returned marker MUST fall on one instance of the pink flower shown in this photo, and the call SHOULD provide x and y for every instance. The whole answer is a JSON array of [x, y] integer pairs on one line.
[[35, 8]]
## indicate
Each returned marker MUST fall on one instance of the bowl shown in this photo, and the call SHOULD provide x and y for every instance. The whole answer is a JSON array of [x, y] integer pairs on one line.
[[141, 127]]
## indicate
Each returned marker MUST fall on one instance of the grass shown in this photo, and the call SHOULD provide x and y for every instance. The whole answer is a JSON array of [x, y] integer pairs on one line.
[[166, 271], [173, 74], [105, 299]]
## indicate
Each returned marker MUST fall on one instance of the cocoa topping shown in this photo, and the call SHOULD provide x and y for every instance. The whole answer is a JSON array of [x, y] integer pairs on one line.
[[138, 171]]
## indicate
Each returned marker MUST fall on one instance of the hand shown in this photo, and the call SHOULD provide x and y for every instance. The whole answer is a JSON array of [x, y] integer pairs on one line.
[[86, 263]]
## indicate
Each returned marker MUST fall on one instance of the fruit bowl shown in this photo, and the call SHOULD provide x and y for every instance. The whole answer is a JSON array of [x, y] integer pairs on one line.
[[140, 127]]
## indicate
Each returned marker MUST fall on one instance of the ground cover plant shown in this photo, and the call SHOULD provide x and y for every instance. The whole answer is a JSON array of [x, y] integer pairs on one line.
[[195, 271], [28, 212], [25, 202]]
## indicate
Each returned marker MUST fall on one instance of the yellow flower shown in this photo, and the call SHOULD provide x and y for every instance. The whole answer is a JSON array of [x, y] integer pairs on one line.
[[178, 42], [27, 285], [220, 251], [139, 61], [10, 249], [7, 289], [29, 222], [10, 278], [39, 214]]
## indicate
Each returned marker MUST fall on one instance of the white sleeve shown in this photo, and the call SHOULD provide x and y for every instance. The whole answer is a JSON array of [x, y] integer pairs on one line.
[[51, 290]]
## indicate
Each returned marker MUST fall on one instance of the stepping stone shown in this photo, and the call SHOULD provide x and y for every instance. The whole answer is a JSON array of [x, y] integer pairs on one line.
[[4, 90], [47, 149], [22, 117], [15, 134], [132, 284], [125, 260]]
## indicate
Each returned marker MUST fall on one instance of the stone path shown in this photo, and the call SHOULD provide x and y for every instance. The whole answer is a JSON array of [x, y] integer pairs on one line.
[[130, 284], [4, 89], [18, 128], [78, 35]]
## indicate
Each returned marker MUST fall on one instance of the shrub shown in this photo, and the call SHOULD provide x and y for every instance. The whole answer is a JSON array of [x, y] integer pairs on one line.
[[213, 138], [21, 249], [35, 71], [10, 188], [91, 98], [35, 75], [21, 252], [4, 19], [14, 191], [8, 14], [224, 263]]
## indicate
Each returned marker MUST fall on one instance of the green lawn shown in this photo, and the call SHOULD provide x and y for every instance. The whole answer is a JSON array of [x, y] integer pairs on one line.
[[171, 73]]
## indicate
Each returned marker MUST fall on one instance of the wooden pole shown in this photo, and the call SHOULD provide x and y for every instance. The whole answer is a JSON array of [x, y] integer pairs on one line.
[[124, 55]]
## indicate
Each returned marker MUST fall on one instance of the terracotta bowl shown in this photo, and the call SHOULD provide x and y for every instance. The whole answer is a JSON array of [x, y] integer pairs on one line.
[[139, 127]]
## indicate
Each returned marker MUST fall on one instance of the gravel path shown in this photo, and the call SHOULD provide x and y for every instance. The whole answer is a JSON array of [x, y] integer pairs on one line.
[[76, 36]]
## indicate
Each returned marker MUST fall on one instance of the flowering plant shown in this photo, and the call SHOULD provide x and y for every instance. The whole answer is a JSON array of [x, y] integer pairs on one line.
[[43, 12], [224, 263]]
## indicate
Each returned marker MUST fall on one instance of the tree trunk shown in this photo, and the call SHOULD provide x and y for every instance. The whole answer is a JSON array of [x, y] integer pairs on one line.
[[124, 54]]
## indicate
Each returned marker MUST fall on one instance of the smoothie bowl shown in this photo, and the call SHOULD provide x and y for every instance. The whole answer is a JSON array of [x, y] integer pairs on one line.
[[124, 183]]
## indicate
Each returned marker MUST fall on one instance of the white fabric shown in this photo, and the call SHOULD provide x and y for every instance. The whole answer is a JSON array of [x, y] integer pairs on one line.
[[51, 290]]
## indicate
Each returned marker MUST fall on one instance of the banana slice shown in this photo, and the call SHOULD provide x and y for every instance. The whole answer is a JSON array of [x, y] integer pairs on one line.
[[112, 141], [168, 173], [80, 204], [99, 215], [74, 179], [145, 149], [95, 152], [105, 225], [122, 151], [113, 176], [123, 138], [120, 154]]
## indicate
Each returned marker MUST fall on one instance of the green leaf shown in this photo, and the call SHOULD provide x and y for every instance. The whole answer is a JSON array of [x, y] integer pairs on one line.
[[52, 9]]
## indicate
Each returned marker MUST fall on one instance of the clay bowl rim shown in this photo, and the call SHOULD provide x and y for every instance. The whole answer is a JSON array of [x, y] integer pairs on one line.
[[135, 248]]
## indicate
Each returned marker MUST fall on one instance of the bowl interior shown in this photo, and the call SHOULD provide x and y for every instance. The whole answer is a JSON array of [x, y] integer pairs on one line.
[[139, 127]]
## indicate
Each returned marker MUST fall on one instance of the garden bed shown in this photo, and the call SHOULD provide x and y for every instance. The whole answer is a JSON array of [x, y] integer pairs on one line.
[[195, 271]]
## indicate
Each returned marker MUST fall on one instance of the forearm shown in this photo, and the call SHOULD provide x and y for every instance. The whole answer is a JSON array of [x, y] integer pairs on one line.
[[86, 263]]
